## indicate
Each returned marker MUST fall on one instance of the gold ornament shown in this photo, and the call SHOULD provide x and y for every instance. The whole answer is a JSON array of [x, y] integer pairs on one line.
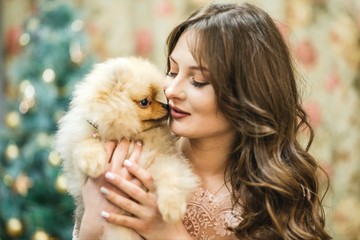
[[12, 119], [61, 184], [25, 106], [22, 184], [77, 25], [28, 92], [54, 159], [11, 152], [8, 180], [48, 75], [43, 139], [24, 39], [14, 227], [76, 52], [40, 235], [23, 85]]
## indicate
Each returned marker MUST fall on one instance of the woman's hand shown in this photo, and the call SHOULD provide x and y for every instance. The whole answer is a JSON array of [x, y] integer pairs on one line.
[[94, 202], [146, 218]]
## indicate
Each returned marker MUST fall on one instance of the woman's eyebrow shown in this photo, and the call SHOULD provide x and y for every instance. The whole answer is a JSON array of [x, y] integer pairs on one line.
[[196, 67], [172, 60]]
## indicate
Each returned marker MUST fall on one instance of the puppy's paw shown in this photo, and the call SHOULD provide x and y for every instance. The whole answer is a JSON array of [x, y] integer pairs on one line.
[[92, 160], [172, 208], [93, 167]]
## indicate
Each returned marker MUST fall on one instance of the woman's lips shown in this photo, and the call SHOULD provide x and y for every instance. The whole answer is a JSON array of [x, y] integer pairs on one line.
[[178, 113]]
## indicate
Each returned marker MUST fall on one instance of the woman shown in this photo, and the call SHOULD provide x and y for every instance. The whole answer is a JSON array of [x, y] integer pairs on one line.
[[235, 104]]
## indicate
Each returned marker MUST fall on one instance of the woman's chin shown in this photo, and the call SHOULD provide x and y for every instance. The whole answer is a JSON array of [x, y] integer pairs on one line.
[[176, 129]]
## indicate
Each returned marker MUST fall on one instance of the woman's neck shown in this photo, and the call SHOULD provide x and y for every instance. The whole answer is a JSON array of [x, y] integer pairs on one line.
[[208, 156]]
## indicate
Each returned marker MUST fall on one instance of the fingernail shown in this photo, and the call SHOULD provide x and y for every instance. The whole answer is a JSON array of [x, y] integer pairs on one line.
[[139, 143], [104, 190], [105, 214], [109, 175], [127, 163]]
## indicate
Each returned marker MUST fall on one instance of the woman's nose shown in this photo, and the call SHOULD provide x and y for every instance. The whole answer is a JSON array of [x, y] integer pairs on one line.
[[174, 89]]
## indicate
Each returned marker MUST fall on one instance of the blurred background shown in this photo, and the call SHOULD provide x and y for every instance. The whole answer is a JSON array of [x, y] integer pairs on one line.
[[48, 45]]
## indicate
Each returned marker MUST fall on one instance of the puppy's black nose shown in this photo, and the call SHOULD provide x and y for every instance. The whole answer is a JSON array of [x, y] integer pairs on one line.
[[166, 106]]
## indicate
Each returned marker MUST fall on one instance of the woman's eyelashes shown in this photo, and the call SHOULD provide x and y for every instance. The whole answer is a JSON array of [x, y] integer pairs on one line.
[[171, 74], [197, 83], [192, 80]]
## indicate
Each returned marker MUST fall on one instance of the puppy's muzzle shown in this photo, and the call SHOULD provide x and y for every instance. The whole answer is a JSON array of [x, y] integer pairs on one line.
[[166, 106]]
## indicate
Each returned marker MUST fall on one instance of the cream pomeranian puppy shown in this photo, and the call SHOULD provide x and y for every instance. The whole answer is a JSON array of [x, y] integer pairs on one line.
[[124, 98]]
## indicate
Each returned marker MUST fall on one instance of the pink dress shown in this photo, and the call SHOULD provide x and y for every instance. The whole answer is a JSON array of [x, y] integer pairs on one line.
[[208, 216]]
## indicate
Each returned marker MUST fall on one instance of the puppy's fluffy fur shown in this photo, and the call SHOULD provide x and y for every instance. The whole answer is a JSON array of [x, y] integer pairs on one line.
[[123, 98]]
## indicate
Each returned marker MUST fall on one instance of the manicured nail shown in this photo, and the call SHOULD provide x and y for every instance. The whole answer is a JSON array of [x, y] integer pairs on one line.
[[105, 214], [127, 163], [104, 190], [109, 175]]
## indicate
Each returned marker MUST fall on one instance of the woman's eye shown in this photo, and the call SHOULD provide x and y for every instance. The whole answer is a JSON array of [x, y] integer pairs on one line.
[[171, 74], [144, 103], [198, 84]]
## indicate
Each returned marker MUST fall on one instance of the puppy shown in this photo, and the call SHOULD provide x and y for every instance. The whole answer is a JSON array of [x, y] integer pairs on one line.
[[123, 98]]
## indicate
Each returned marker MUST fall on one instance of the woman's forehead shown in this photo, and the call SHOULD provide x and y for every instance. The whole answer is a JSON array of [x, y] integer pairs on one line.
[[191, 41]]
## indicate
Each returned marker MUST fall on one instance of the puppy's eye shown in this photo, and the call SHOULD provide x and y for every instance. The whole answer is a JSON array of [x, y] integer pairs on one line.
[[145, 103]]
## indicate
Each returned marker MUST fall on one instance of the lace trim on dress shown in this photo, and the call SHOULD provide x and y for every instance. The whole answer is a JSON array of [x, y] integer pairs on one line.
[[209, 216]]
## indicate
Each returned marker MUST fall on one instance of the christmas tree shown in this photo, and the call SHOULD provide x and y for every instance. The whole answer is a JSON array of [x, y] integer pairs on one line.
[[53, 57]]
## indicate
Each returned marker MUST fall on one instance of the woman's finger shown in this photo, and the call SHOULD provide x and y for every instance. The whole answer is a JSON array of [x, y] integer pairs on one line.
[[131, 189], [135, 149], [109, 148], [140, 174], [122, 220], [135, 155], [119, 155], [136, 182], [123, 202]]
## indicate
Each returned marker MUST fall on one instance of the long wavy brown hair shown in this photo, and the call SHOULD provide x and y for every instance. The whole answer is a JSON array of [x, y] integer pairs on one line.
[[273, 177]]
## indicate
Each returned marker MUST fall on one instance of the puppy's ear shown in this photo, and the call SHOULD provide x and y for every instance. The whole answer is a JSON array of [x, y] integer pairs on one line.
[[161, 98], [116, 116]]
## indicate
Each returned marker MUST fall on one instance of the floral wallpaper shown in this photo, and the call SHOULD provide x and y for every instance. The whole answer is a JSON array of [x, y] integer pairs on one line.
[[326, 39], [324, 36]]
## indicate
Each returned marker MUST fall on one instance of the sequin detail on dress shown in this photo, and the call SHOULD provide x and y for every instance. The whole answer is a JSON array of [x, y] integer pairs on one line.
[[208, 216]]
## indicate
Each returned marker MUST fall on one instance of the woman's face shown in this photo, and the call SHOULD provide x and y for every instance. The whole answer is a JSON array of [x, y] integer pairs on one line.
[[191, 97]]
